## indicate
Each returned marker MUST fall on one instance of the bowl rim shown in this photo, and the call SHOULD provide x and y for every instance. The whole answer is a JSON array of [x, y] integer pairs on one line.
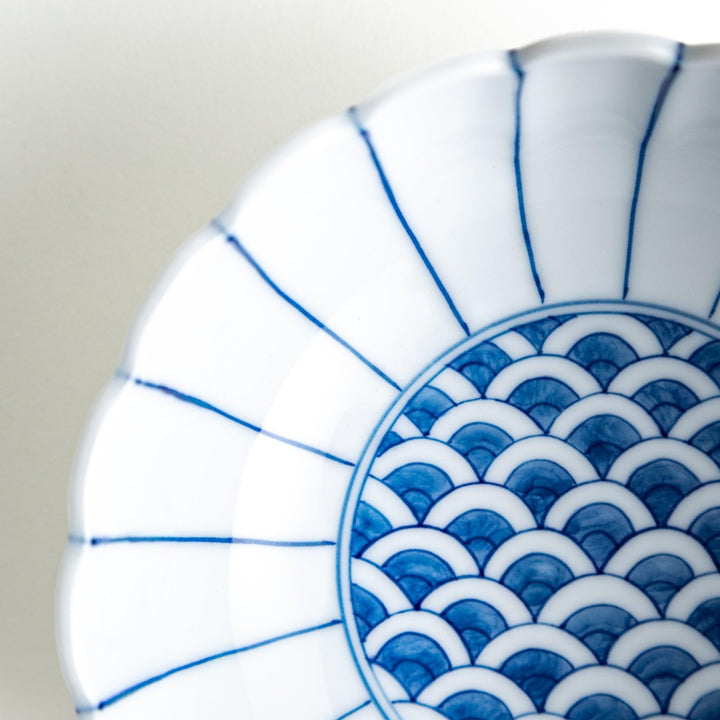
[[562, 48]]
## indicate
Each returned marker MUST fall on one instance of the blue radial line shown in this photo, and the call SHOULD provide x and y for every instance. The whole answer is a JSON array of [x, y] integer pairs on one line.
[[352, 112], [517, 69], [657, 107], [255, 428], [210, 539], [235, 242], [715, 304], [354, 710], [202, 661]]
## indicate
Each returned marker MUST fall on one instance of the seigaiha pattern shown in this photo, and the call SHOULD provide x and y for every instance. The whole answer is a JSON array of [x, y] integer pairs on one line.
[[538, 532]]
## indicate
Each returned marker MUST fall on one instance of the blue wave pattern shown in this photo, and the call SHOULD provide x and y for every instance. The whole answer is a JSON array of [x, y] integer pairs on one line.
[[539, 531]]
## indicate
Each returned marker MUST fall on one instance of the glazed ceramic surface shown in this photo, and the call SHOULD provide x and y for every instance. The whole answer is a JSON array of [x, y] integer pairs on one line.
[[426, 424]]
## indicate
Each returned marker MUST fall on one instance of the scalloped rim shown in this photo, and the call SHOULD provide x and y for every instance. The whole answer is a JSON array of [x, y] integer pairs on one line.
[[561, 48]]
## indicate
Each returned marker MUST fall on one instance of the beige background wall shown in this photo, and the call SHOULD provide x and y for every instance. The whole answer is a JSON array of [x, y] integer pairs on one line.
[[124, 126]]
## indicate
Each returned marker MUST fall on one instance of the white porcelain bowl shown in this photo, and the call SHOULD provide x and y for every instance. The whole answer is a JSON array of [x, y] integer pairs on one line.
[[426, 425]]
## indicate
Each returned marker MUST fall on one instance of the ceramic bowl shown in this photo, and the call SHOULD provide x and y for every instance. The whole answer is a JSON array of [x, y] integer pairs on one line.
[[426, 424]]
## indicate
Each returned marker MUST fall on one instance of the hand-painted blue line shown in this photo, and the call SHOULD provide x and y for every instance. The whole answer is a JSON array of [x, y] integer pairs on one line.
[[235, 242], [352, 112], [515, 63], [354, 710], [207, 406], [715, 304], [218, 656], [657, 107], [112, 540]]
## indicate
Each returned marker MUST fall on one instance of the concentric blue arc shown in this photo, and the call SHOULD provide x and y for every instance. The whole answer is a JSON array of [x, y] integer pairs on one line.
[[618, 530], [595, 540]]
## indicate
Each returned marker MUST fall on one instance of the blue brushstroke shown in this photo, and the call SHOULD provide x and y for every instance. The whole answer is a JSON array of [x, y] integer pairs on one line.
[[255, 428], [715, 305], [352, 112], [220, 540], [515, 63], [414, 657], [657, 107], [218, 656], [235, 242], [354, 710]]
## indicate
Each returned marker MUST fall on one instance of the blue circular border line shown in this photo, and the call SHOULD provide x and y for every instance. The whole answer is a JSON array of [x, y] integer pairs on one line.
[[377, 695]]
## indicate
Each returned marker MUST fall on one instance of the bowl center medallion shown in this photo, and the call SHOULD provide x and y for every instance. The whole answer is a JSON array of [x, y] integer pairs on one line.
[[535, 526]]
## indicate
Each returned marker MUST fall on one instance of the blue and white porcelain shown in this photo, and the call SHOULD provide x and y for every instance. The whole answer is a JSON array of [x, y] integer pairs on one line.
[[426, 424]]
